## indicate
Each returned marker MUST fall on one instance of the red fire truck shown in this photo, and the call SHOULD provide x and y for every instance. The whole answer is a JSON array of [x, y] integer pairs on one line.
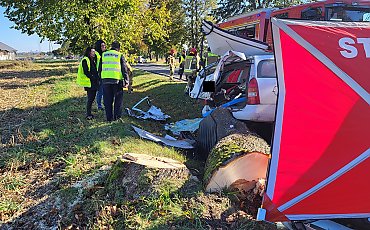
[[256, 24]]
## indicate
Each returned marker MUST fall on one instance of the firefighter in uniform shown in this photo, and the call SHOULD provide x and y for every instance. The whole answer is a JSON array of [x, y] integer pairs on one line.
[[114, 78], [191, 68], [182, 63], [171, 62], [210, 58], [130, 74]]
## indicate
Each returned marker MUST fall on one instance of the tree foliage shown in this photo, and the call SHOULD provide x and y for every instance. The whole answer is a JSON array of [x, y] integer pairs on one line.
[[196, 12], [229, 8], [81, 22], [163, 25], [150, 25]]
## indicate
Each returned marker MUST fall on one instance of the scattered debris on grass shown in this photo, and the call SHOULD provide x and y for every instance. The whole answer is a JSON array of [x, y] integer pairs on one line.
[[182, 144], [153, 112], [186, 125]]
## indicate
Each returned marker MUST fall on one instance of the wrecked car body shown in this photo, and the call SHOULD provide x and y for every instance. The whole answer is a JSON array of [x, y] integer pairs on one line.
[[235, 77]]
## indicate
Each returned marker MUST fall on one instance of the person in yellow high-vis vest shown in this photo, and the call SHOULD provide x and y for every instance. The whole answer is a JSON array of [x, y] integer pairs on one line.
[[130, 73], [100, 47], [88, 77], [191, 68], [113, 71]]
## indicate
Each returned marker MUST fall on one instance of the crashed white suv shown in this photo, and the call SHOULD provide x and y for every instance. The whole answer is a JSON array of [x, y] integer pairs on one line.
[[236, 78], [261, 91]]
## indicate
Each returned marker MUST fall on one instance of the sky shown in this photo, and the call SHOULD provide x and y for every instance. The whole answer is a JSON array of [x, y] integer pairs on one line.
[[21, 42]]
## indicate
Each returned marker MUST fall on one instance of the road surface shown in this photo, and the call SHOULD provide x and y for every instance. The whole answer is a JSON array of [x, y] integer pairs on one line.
[[158, 69]]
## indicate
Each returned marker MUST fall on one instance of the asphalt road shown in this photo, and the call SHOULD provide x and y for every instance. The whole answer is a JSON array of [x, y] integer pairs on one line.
[[163, 70]]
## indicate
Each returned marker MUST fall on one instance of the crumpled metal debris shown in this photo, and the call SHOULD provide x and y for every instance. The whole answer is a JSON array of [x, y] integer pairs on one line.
[[169, 141], [153, 112], [190, 125]]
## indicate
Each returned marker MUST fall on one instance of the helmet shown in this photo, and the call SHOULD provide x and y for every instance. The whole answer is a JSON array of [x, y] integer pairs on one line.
[[193, 51]]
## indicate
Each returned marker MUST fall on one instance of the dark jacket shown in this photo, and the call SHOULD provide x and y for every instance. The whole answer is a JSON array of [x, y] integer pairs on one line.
[[92, 74], [98, 46]]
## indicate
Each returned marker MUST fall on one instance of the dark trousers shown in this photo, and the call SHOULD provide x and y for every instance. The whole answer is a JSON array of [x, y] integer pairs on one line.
[[181, 71], [99, 96], [113, 94], [90, 99]]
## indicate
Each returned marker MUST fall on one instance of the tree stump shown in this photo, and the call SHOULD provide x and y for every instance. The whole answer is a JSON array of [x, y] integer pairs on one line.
[[137, 175]]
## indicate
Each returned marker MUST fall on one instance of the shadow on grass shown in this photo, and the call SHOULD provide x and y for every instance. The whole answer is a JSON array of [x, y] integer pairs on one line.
[[47, 81], [58, 61], [43, 73], [148, 83]]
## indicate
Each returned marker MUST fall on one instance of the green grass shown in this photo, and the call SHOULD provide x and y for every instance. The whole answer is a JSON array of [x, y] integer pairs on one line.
[[57, 131], [60, 129], [162, 212], [9, 207], [12, 182]]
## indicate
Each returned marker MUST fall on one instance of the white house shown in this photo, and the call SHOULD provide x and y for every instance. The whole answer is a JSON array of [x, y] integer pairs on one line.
[[7, 52]]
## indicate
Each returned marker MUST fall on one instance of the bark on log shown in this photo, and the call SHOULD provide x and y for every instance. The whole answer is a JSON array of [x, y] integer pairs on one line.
[[219, 124], [137, 175], [238, 160]]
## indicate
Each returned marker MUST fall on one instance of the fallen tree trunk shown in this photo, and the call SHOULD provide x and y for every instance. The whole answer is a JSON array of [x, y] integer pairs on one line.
[[219, 124], [238, 161], [137, 175]]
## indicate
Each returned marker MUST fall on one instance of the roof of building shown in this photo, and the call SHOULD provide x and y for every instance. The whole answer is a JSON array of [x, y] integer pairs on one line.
[[6, 47]]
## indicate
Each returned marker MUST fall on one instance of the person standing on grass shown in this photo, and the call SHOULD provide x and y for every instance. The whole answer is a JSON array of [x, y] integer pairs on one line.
[[113, 71], [191, 68], [182, 63], [130, 71], [100, 47], [171, 62], [88, 77]]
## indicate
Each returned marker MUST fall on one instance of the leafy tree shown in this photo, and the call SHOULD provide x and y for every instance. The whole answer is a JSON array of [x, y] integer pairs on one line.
[[196, 12], [81, 22], [177, 32], [163, 25], [63, 50], [156, 21], [229, 8]]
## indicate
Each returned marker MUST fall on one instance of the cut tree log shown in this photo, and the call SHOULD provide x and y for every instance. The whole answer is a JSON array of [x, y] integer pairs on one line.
[[219, 124], [137, 175], [238, 161]]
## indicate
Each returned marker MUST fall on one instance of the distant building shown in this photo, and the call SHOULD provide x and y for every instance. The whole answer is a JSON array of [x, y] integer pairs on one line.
[[7, 52]]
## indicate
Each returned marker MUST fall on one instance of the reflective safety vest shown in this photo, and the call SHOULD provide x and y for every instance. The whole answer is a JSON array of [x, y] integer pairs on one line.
[[111, 67], [211, 57], [191, 65], [182, 59], [82, 79], [98, 58]]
